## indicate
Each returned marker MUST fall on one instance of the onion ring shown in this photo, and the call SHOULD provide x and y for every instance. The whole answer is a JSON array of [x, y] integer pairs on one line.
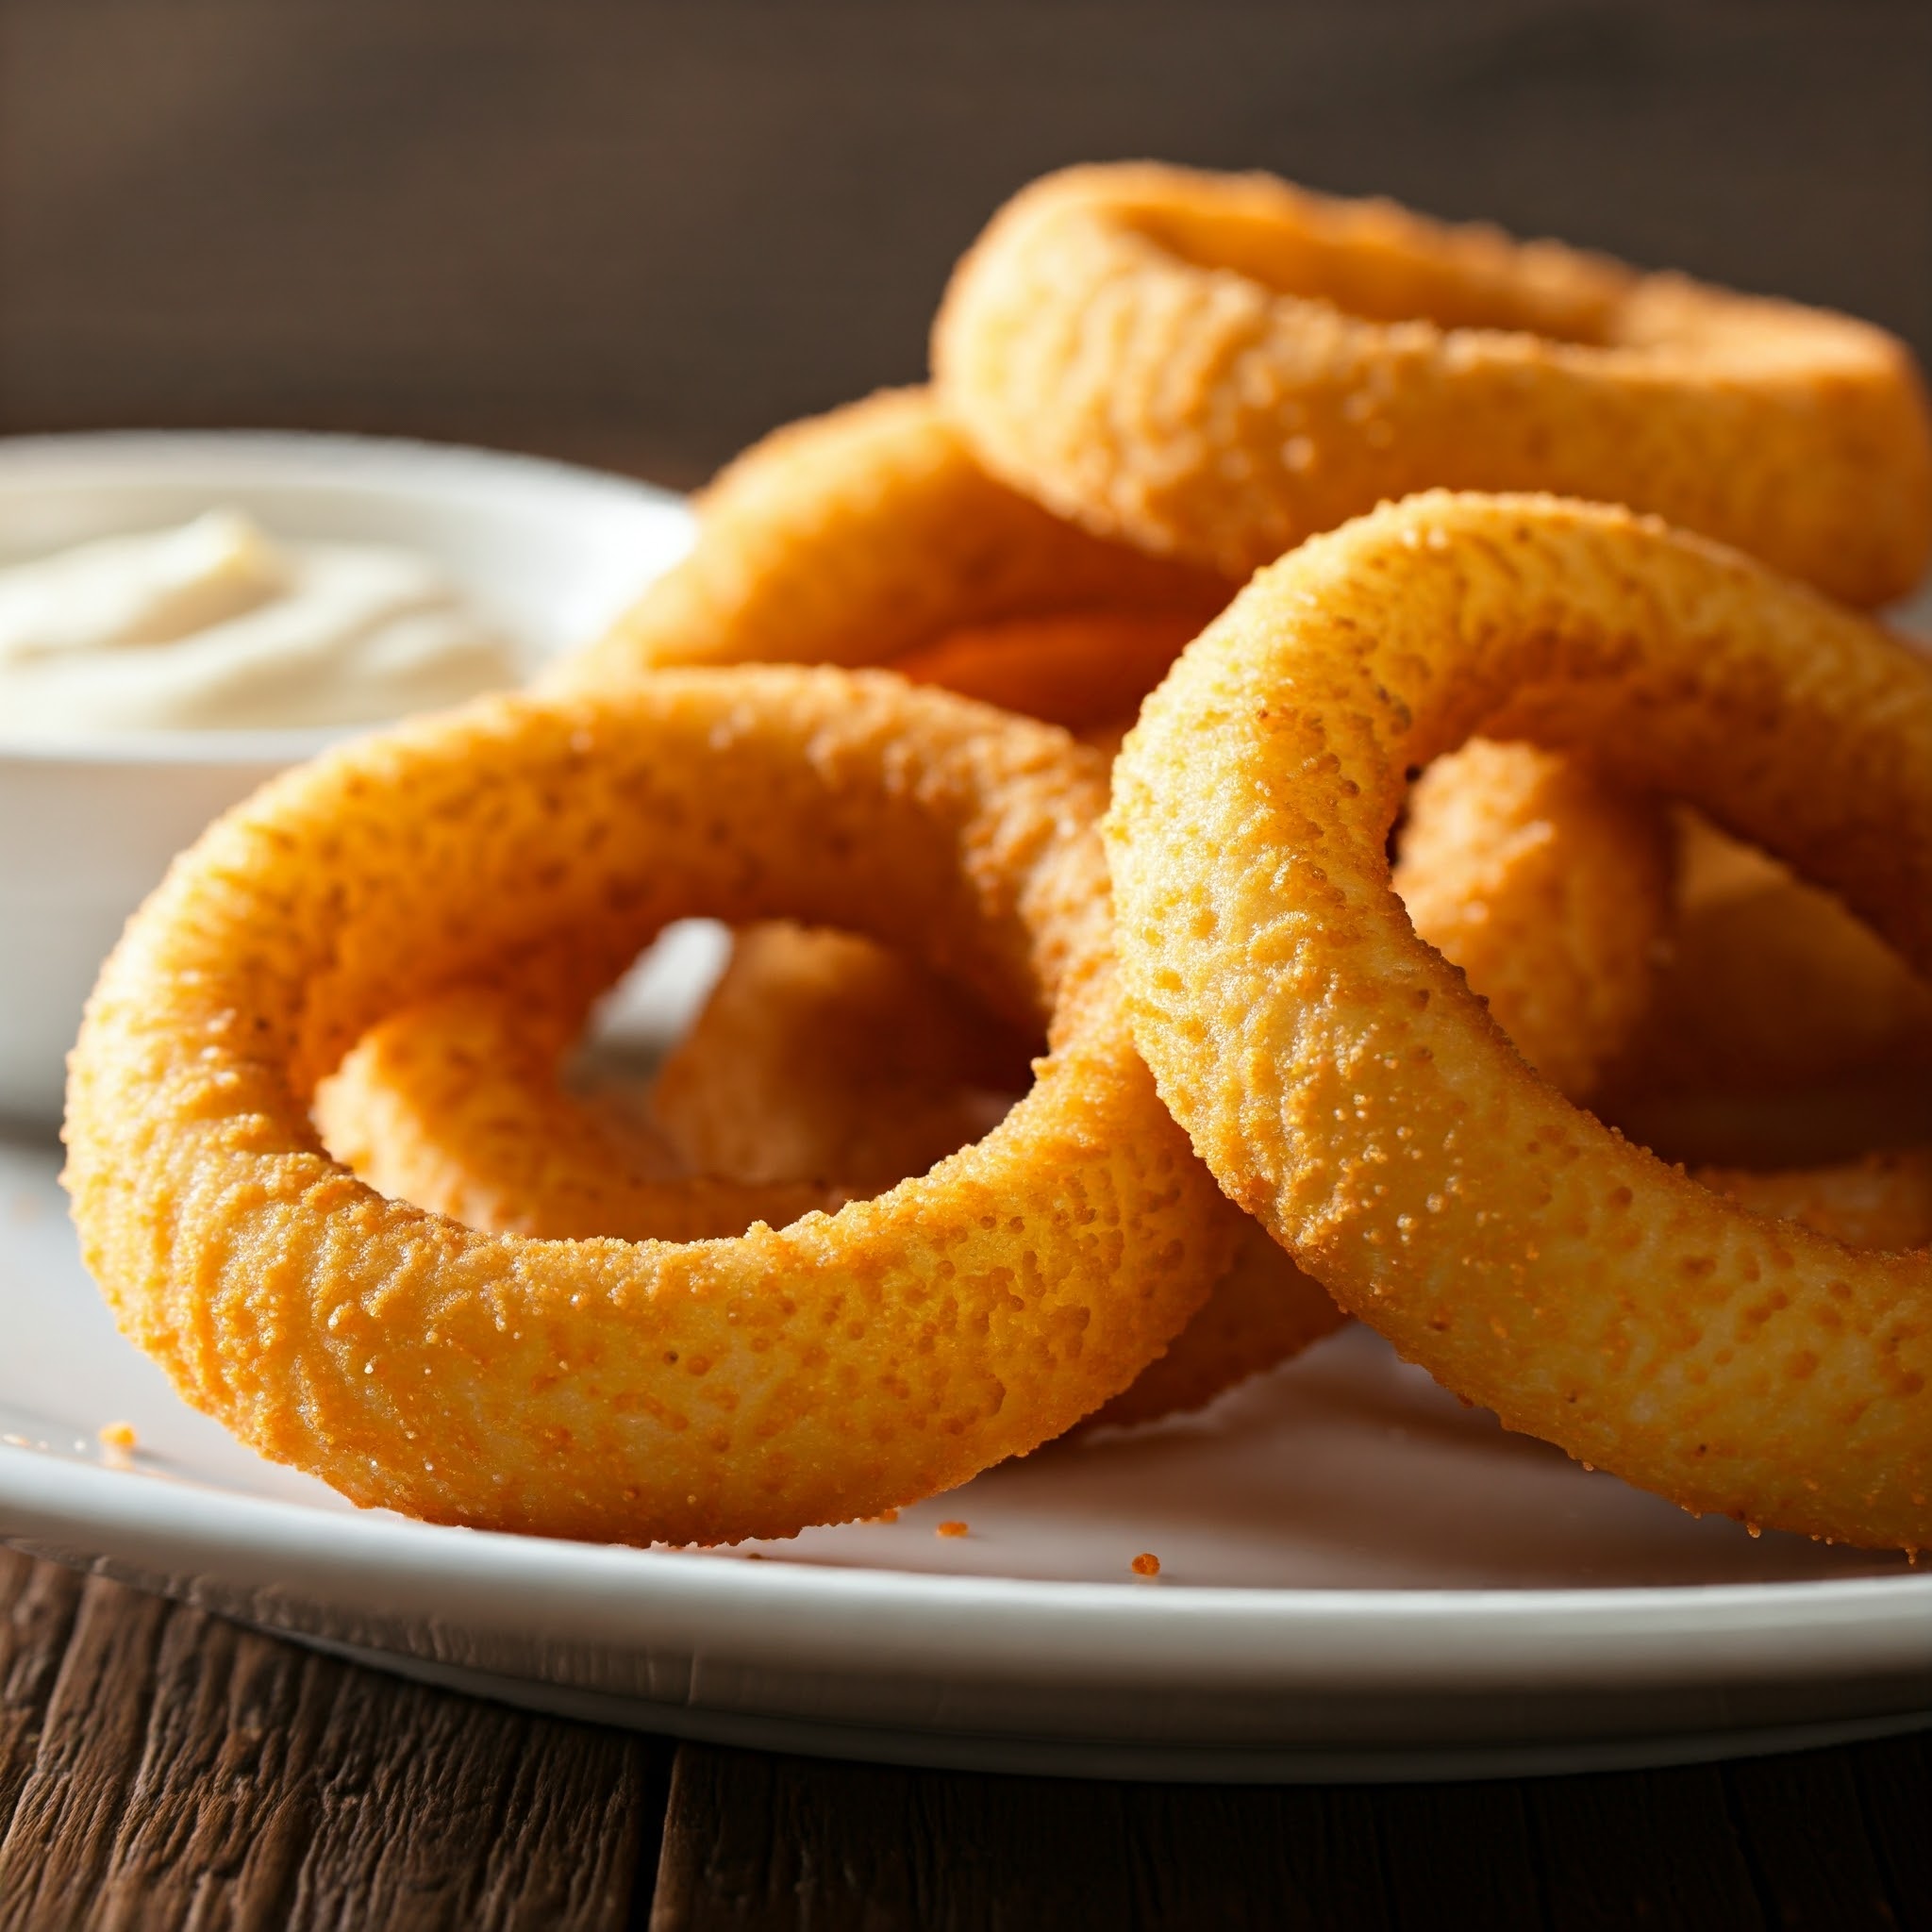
[[1772, 984], [820, 1056], [454, 1106], [1551, 889], [1082, 668], [1216, 366], [1343, 1084], [634, 1390], [1882, 1201], [860, 536]]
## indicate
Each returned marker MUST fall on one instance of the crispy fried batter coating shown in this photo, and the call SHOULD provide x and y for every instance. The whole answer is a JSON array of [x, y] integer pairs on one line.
[[1081, 668], [821, 1056], [1551, 889], [1259, 1315], [637, 1390], [1883, 1201], [1216, 366], [1344, 1084], [867, 535], [860, 536], [1770, 984], [454, 1106], [819, 1053]]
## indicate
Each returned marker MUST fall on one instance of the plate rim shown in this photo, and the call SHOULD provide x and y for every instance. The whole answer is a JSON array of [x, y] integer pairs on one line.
[[774, 1613]]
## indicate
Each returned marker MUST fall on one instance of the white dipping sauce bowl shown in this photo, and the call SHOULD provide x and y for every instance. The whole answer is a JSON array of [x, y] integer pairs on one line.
[[547, 554]]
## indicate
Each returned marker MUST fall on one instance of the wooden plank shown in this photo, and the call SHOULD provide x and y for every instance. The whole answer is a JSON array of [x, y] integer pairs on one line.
[[1234, 1856], [1459, 1851], [38, 1604], [1803, 1828], [1895, 1781], [1655, 1849], [160, 1767], [753, 1843]]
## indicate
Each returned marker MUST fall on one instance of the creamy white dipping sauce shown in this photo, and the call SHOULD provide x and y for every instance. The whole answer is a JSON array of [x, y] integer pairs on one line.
[[216, 626]]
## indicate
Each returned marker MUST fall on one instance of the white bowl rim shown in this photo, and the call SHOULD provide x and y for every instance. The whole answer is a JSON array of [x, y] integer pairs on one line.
[[268, 452]]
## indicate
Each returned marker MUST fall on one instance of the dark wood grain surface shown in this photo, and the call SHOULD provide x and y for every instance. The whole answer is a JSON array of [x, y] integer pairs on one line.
[[159, 1768], [645, 235]]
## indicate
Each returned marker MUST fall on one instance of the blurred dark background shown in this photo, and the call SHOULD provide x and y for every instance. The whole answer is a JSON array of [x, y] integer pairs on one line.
[[640, 235]]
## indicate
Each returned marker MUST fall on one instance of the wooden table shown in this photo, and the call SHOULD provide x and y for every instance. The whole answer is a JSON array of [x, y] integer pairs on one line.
[[161, 1768]]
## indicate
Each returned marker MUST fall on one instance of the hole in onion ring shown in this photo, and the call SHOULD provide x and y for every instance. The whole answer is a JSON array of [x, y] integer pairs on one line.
[[787, 1061]]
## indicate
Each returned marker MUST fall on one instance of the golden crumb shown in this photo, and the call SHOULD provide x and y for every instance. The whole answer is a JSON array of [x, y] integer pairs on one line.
[[883, 1516], [1146, 1564], [950, 1528], [117, 1436]]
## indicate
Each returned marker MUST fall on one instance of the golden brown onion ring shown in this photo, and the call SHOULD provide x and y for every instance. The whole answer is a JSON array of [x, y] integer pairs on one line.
[[1343, 1083], [1216, 366], [1551, 889], [1080, 669], [636, 1390], [1882, 1201], [860, 536], [1772, 984], [820, 1056], [454, 1105]]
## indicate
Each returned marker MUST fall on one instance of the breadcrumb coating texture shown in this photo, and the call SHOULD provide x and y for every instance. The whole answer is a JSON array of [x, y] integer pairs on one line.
[[859, 535], [633, 1391], [868, 535], [820, 1056], [1344, 1084], [1882, 1201], [1216, 366], [1551, 889], [455, 1105], [1771, 983], [1082, 668]]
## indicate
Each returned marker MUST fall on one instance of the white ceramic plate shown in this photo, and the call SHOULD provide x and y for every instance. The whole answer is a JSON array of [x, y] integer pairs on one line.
[[1360, 1579]]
